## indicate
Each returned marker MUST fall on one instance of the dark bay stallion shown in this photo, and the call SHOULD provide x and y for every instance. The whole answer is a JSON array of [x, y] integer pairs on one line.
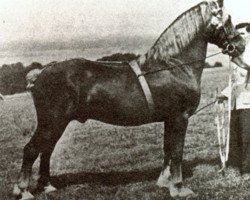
[[79, 89]]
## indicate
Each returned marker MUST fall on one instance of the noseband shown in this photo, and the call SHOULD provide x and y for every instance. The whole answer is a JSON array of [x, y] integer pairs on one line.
[[228, 47]]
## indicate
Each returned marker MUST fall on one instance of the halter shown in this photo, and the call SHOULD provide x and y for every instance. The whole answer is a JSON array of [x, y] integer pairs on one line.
[[230, 48]]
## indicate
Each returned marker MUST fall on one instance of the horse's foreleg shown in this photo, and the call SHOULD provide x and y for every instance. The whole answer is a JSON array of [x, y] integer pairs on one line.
[[164, 178], [177, 146]]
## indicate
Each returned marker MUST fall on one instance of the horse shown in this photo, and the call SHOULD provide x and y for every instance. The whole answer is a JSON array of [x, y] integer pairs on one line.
[[163, 85]]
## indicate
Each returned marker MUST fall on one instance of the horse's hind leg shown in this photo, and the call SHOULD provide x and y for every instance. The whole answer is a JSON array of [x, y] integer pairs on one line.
[[30, 154], [48, 132], [49, 141]]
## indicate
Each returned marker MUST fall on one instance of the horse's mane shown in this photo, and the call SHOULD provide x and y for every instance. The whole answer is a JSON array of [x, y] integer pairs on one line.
[[180, 32]]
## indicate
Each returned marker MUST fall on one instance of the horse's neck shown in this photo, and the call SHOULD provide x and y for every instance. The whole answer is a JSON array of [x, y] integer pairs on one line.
[[193, 53]]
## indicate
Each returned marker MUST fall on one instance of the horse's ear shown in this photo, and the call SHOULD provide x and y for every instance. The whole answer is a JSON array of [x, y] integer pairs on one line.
[[221, 3]]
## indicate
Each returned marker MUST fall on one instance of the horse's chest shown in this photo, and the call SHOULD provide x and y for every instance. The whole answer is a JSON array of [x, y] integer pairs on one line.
[[175, 92]]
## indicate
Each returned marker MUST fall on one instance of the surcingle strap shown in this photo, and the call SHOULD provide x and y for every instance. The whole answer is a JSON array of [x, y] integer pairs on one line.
[[144, 85]]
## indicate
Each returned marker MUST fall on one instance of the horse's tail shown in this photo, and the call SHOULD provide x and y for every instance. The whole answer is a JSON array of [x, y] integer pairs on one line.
[[33, 71], [31, 77]]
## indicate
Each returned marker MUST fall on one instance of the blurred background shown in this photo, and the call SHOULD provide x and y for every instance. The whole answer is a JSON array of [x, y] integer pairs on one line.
[[48, 30]]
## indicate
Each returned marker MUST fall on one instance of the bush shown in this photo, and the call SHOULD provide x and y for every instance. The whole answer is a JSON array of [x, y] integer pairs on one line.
[[216, 64], [12, 78], [126, 57], [34, 65]]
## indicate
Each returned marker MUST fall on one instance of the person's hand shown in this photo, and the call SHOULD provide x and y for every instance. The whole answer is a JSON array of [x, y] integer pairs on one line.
[[221, 98]]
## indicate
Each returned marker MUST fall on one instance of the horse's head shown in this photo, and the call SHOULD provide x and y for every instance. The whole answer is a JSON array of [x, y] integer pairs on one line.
[[221, 32]]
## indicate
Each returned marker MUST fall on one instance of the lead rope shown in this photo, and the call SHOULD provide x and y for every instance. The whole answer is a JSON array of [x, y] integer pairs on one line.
[[222, 134], [220, 121], [229, 106]]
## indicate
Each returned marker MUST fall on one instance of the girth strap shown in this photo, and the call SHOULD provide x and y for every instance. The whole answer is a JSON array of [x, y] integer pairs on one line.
[[144, 85]]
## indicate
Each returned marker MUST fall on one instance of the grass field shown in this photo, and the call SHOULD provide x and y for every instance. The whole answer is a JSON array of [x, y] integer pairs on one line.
[[96, 161]]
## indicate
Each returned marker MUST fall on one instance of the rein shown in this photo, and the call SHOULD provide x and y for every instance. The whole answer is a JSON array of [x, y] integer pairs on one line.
[[173, 66], [230, 49], [197, 111]]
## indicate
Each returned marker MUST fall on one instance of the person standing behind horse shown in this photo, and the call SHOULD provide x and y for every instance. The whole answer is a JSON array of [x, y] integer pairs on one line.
[[239, 153]]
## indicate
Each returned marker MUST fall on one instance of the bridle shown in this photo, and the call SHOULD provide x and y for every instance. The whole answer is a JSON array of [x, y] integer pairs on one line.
[[230, 48], [227, 46], [171, 65]]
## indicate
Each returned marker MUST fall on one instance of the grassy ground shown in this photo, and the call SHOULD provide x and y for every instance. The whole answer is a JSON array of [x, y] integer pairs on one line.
[[96, 161]]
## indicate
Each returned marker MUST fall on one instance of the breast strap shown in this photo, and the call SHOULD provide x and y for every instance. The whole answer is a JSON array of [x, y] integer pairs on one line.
[[144, 85]]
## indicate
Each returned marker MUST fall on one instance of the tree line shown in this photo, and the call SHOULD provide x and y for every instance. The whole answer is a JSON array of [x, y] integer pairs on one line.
[[12, 77]]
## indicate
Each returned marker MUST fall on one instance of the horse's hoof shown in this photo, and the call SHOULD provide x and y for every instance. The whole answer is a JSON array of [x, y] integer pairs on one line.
[[163, 180], [16, 190], [181, 192], [26, 195], [49, 188], [22, 194], [246, 177]]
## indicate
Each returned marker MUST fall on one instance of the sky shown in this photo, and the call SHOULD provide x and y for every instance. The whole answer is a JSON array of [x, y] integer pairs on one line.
[[44, 20]]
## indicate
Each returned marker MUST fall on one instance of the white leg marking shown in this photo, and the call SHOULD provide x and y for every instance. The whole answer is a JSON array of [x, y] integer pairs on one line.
[[49, 188], [26, 195], [164, 178], [181, 192], [16, 190], [246, 177]]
